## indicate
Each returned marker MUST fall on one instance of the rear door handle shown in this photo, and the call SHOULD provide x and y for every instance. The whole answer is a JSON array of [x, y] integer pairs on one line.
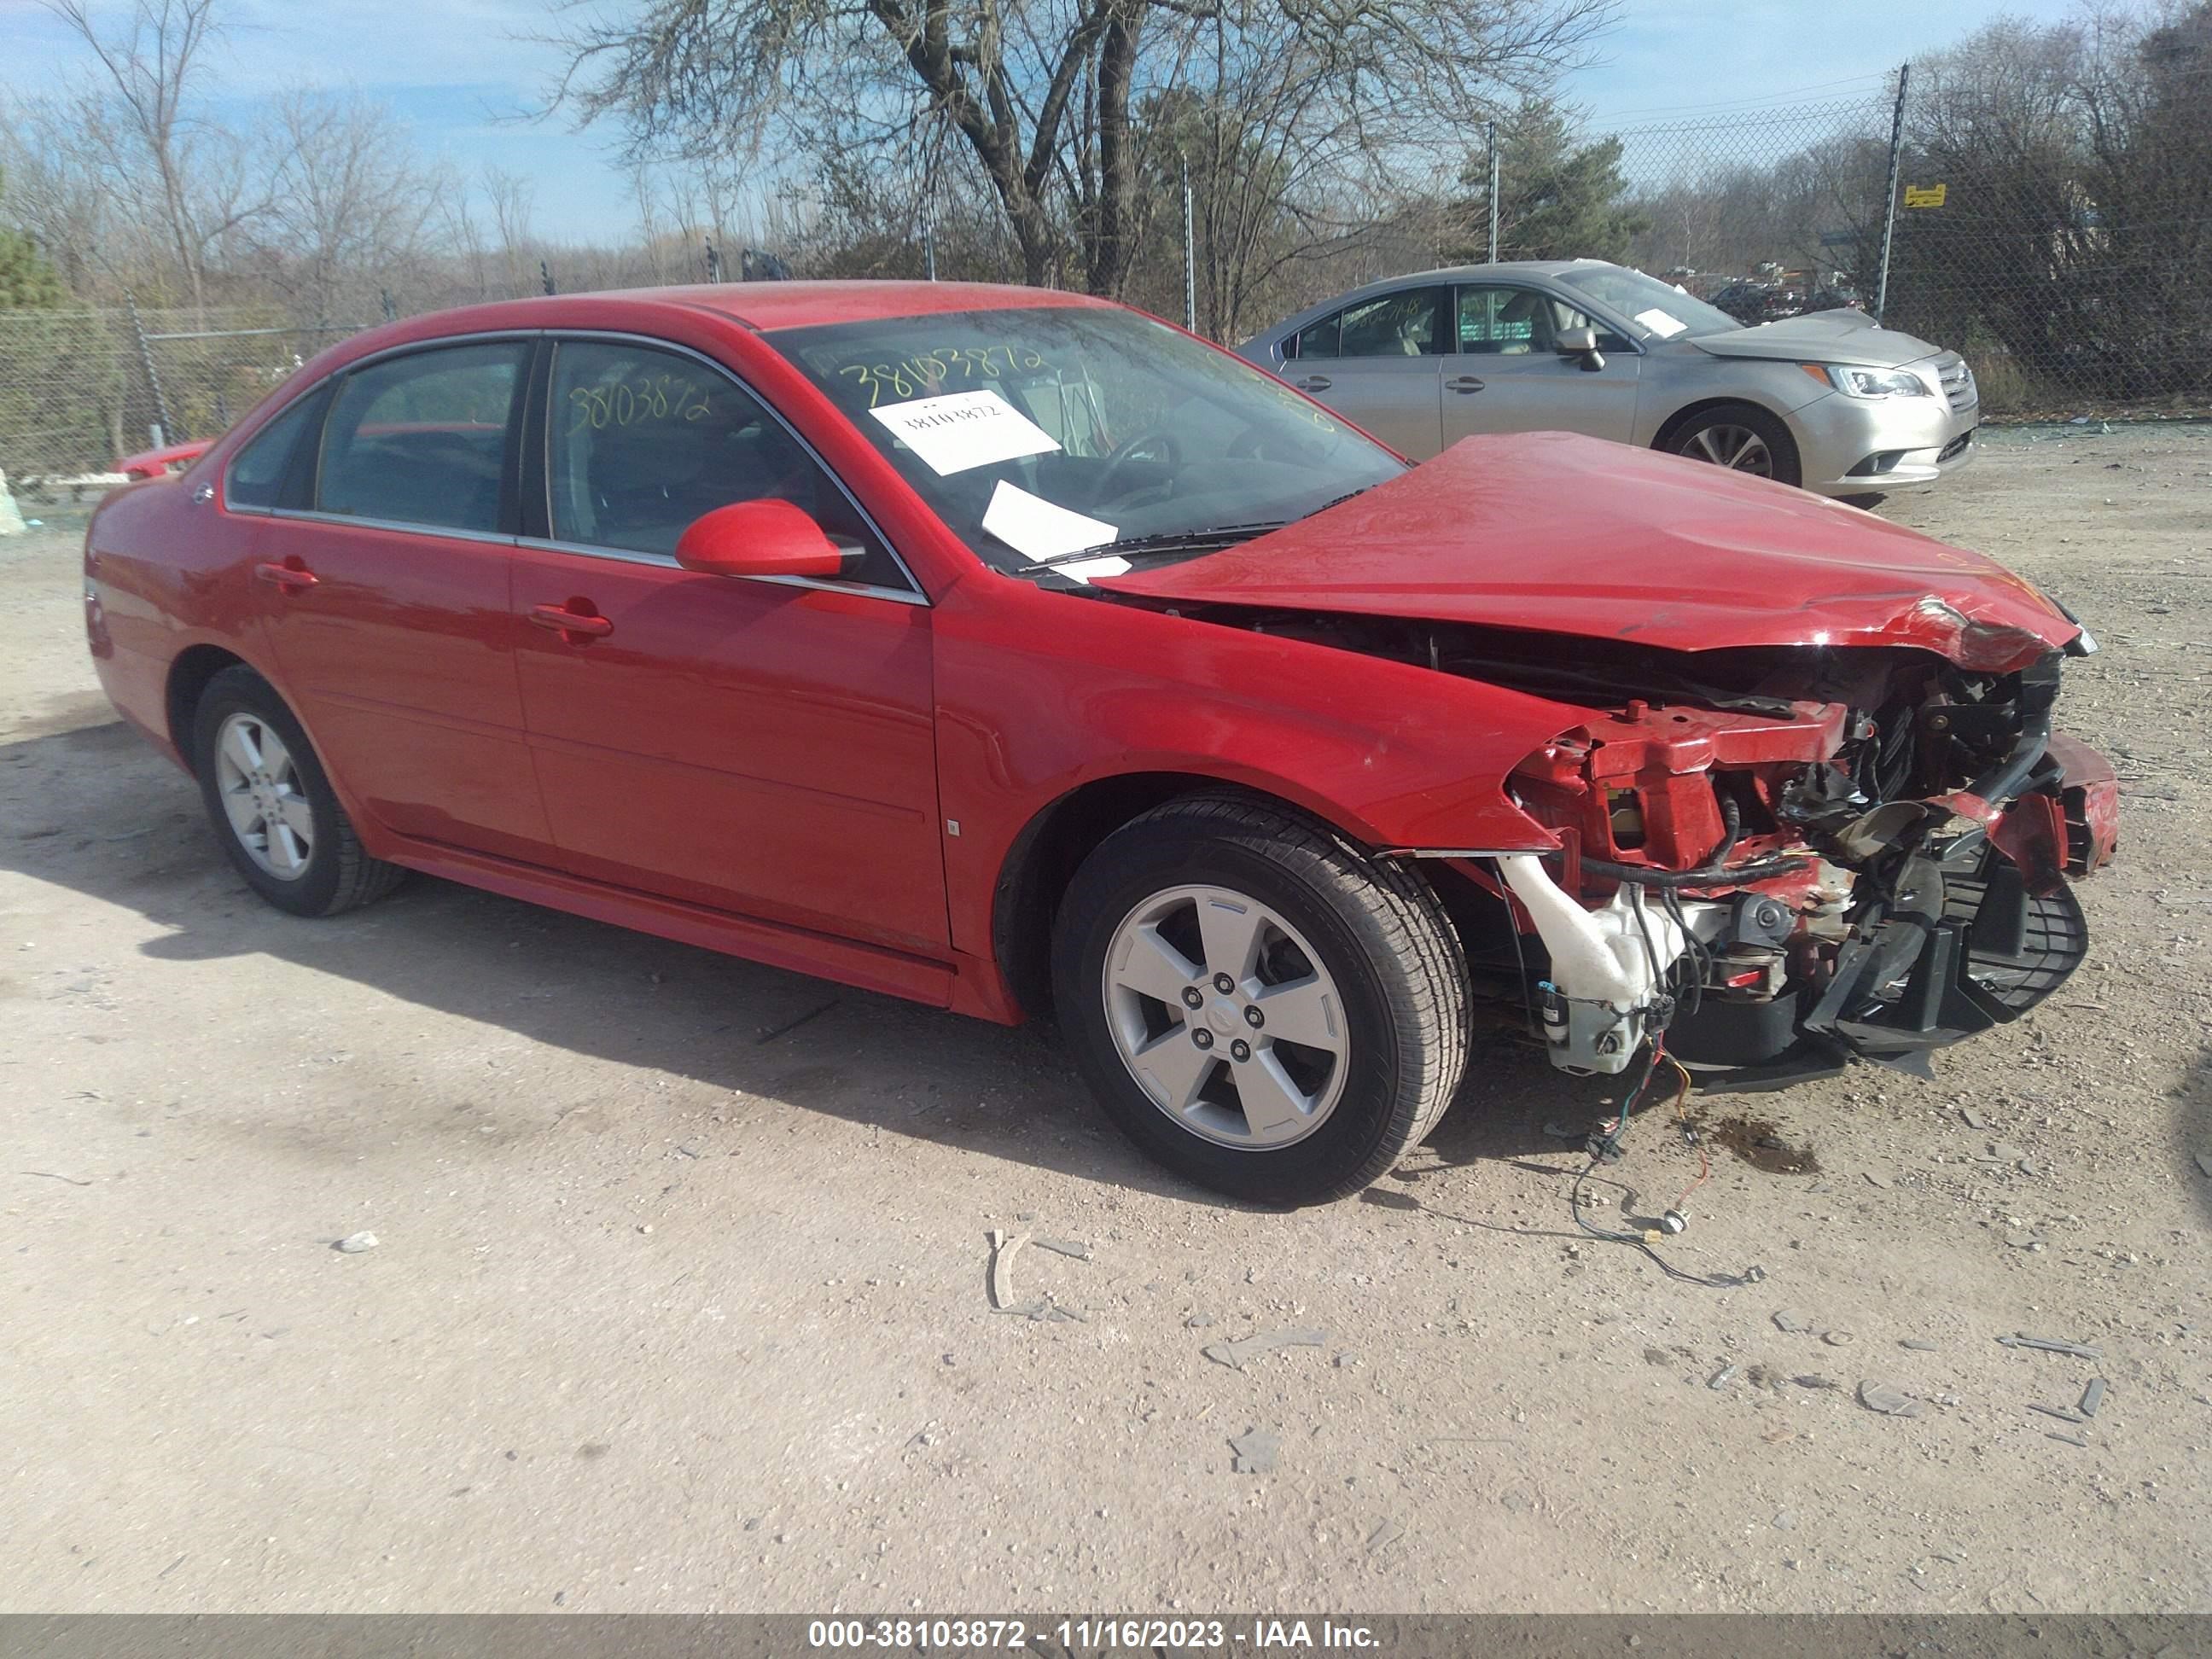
[[560, 619], [1314, 383], [291, 575], [1463, 383]]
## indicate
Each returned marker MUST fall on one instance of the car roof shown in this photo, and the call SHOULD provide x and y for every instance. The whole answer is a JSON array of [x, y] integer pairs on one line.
[[1504, 270], [765, 305]]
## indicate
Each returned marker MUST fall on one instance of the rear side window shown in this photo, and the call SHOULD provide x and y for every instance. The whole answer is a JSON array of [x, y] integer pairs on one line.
[[640, 442], [256, 482], [422, 440], [1315, 339], [1406, 324]]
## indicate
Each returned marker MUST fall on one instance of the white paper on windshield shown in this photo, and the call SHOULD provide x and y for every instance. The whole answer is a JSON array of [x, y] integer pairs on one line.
[[1038, 531], [964, 429], [1665, 323]]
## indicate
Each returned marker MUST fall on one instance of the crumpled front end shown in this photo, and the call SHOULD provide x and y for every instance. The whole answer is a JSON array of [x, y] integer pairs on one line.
[[1829, 854]]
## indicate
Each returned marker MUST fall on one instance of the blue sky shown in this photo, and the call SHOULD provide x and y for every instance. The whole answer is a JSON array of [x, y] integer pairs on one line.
[[455, 70]]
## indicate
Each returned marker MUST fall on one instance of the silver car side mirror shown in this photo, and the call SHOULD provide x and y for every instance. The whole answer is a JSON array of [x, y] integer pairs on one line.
[[1580, 342]]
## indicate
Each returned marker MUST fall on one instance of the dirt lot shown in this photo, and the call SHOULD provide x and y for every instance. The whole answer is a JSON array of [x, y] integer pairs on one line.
[[680, 1300]]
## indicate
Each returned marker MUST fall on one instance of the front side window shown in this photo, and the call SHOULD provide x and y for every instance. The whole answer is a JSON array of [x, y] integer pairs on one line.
[[1036, 433], [422, 439], [1407, 324], [1510, 322], [640, 442], [256, 481]]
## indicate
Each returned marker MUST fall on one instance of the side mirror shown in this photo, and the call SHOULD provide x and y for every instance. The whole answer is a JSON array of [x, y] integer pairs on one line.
[[1580, 342], [767, 537]]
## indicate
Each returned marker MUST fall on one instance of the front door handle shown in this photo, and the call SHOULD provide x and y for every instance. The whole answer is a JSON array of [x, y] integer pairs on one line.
[[1463, 383], [292, 576], [562, 619], [1314, 383]]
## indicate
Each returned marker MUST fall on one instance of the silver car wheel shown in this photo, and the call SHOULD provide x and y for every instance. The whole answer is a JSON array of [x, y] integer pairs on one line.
[[262, 796], [1735, 447], [1226, 1017]]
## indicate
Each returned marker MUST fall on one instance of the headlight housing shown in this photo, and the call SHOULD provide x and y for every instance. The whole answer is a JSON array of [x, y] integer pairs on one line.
[[1854, 382]]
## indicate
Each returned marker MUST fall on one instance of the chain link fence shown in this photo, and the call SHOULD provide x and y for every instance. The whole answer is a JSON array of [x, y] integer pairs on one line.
[[2071, 273], [79, 389]]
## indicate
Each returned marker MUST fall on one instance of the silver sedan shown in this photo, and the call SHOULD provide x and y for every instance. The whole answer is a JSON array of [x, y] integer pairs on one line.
[[1830, 401]]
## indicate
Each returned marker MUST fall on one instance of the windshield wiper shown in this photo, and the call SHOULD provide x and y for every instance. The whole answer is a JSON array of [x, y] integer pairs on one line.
[[1168, 541]]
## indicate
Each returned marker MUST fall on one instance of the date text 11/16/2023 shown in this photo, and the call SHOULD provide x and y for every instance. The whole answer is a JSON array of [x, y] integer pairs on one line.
[[1080, 1635]]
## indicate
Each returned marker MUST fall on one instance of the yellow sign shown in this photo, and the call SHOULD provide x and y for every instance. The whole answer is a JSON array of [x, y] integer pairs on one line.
[[1924, 195]]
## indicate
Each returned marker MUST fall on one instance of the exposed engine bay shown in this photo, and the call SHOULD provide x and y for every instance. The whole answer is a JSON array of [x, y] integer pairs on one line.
[[1772, 860]]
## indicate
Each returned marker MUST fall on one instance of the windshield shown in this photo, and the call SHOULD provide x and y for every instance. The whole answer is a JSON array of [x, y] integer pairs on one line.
[[1658, 310], [1037, 434]]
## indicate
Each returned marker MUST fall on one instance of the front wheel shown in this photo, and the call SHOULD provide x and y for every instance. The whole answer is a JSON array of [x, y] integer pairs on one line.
[[1257, 1004], [1740, 438]]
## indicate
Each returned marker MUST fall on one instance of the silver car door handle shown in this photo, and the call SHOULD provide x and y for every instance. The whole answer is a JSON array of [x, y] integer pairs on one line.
[[1463, 383], [1314, 383]]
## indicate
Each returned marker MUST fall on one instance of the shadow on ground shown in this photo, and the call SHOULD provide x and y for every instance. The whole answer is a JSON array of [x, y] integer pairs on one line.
[[97, 811]]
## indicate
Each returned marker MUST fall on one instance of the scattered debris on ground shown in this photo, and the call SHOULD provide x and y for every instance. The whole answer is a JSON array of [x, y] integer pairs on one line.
[[2050, 1345], [1888, 1398], [1256, 1450], [1234, 1354], [355, 1243]]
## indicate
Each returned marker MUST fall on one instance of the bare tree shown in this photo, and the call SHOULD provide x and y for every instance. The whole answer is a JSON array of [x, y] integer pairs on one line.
[[349, 202], [1043, 95], [152, 63], [511, 199]]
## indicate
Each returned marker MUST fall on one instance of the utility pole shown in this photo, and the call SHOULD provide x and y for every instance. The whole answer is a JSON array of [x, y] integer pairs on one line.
[[1189, 256], [1493, 192], [1889, 207], [545, 276]]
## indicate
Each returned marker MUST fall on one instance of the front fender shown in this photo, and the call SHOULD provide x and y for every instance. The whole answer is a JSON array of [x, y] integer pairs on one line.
[[1040, 693]]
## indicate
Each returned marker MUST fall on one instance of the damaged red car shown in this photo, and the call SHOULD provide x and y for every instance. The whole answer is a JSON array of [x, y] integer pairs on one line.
[[1016, 653]]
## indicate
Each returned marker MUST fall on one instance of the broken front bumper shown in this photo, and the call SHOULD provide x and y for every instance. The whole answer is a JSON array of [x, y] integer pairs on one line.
[[1970, 941]]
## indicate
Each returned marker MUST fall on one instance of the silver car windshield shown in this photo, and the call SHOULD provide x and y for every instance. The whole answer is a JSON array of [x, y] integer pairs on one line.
[[1657, 310], [1038, 434]]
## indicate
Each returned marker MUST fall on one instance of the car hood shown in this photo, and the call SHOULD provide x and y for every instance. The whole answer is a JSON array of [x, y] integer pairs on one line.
[[1562, 534], [1841, 335]]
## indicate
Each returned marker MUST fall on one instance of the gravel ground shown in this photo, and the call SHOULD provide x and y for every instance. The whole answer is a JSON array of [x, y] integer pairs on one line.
[[680, 1300]]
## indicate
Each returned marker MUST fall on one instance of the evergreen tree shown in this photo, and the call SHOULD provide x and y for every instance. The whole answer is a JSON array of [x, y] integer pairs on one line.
[[1557, 197], [26, 279]]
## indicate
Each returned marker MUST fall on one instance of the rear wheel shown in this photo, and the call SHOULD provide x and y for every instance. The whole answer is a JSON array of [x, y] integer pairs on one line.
[[1739, 437], [272, 807], [1257, 1006]]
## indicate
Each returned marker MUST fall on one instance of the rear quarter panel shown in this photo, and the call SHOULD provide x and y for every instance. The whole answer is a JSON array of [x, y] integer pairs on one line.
[[168, 574]]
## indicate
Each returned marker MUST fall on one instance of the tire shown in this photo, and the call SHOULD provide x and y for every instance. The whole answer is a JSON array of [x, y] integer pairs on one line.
[[1726, 429], [307, 859], [1341, 948]]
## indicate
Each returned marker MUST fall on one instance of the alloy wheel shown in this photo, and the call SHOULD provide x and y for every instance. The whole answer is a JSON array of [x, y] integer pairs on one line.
[[263, 797], [1226, 1017], [1735, 447]]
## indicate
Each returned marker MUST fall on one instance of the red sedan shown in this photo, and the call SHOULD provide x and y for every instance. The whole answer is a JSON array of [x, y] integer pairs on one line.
[[1014, 652]]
